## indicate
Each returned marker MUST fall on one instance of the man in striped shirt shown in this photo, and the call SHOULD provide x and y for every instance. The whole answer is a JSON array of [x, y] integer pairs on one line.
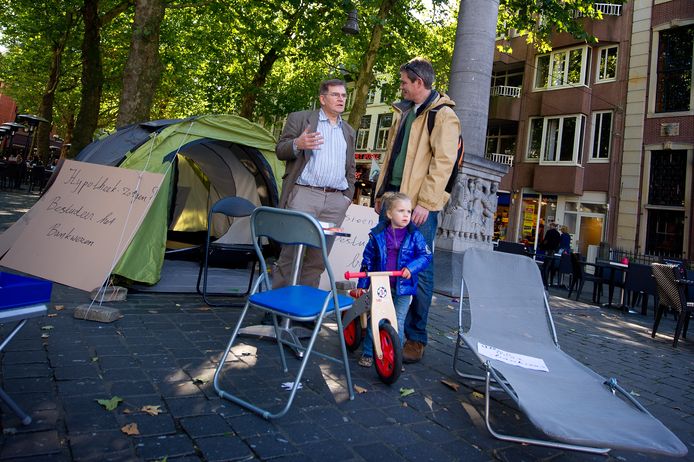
[[318, 147]]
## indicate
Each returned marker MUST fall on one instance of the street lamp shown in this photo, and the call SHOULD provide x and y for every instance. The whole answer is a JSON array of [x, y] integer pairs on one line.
[[351, 26], [33, 121]]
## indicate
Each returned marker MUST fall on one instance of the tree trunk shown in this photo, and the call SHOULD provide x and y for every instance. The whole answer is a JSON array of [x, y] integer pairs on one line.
[[366, 75], [92, 79], [43, 130], [143, 67], [251, 95], [471, 70]]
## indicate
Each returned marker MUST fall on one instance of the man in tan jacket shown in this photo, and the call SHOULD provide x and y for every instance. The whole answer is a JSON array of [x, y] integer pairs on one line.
[[419, 164]]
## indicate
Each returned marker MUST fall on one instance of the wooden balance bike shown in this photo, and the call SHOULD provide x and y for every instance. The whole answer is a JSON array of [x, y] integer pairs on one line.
[[377, 303]]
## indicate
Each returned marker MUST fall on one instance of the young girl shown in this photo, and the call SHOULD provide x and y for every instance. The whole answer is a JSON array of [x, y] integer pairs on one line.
[[395, 244]]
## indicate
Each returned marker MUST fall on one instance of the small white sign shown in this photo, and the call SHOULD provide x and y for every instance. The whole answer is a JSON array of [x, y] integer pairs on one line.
[[515, 359]]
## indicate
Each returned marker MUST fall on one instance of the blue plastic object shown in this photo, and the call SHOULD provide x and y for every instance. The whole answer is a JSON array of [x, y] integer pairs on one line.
[[16, 290]]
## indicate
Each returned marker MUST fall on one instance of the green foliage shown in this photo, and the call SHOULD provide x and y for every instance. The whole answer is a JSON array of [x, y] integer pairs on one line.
[[212, 50]]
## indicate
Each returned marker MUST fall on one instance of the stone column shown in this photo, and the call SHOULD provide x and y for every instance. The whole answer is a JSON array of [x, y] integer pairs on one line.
[[467, 220]]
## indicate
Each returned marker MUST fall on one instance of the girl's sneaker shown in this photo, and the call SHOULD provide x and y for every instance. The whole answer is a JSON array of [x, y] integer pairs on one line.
[[366, 361]]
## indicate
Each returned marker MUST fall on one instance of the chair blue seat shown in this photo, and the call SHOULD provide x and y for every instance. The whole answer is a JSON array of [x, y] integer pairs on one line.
[[300, 302]]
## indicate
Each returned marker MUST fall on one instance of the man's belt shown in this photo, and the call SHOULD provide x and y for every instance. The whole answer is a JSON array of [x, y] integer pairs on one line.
[[320, 188]]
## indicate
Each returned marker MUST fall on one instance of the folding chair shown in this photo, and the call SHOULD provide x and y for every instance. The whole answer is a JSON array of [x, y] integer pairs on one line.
[[232, 207], [511, 333], [295, 302]]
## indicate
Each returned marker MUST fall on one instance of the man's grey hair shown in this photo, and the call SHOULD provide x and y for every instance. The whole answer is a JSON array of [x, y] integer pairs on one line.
[[419, 68], [326, 84]]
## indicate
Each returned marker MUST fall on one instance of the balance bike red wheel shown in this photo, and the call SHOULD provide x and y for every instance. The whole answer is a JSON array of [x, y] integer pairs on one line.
[[389, 368], [353, 334]]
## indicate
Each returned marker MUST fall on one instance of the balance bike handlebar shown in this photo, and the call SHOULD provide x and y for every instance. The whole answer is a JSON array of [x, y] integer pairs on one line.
[[363, 274]]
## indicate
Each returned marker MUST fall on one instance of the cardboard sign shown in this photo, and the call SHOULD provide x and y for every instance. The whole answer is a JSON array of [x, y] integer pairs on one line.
[[347, 251], [76, 233]]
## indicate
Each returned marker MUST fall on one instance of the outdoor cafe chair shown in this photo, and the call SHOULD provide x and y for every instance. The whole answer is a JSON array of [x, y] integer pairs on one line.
[[512, 335], [672, 294], [295, 303], [580, 276], [639, 284], [217, 253]]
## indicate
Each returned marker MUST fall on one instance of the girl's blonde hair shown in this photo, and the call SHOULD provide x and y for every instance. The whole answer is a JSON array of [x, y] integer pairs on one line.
[[390, 198]]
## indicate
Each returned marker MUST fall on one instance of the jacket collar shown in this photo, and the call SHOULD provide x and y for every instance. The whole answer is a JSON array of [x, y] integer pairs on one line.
[[406, 105]]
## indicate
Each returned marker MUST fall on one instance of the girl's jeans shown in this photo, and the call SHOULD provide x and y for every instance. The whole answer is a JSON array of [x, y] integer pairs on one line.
[[402, 304]]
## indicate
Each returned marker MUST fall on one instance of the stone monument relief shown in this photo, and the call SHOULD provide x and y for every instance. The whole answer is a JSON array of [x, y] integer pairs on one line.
[[468, 219]]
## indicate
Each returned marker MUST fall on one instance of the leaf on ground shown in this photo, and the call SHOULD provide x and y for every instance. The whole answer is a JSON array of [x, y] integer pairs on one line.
[[45, 335], [95, 359], [451, 384], [127, 410], [477, 395], [52, 315], [406, 392], [430, 402], [199, 381], [59, 307], [633, 393], [151, 410], [204, 308], [130, 429], [110, 404], [359, 389], [48, 327]]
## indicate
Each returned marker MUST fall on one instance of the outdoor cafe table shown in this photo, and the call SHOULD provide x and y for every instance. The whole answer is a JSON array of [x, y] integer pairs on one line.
[[614, 268]]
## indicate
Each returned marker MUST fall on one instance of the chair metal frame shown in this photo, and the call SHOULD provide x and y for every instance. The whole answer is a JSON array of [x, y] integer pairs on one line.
[[299, 229], [234, 207], [495, 375], [19, 315]]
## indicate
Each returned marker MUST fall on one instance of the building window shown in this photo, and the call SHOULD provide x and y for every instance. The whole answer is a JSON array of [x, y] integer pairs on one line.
[[607, 65], [384, 123], [363, 133], [666, 196], [674, 78], [602, 135], [350, 100], [563, 68], [371, 96], [501, 139], [556, 139]]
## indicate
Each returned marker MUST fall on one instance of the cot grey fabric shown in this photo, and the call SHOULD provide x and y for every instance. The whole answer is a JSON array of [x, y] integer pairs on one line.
[[570, 403]]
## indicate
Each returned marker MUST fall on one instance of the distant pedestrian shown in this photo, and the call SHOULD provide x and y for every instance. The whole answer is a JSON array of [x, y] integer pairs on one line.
[[565, 240]]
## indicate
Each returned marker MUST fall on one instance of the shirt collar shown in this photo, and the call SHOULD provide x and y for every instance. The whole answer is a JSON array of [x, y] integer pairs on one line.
[[324, 118]]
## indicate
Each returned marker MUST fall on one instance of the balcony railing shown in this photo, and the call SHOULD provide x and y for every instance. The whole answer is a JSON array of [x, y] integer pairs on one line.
[[506, 159], [503, 90], [607, 9]]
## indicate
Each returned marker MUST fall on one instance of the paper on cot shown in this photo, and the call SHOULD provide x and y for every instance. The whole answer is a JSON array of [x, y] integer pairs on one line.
[[515, 359]]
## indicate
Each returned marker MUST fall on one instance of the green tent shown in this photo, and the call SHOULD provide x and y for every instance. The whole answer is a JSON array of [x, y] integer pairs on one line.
[[204, 159]]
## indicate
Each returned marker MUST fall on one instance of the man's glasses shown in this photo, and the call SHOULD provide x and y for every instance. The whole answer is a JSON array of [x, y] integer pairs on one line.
[[337, 95]]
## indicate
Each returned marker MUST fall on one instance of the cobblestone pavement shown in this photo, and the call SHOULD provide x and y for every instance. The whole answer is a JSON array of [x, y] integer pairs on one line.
[[164, 350]]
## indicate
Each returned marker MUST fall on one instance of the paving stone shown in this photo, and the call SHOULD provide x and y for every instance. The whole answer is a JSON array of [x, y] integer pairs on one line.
[[81, 388], [130, 373], [376, 452], [174, 389], [169, 446], [24, 357], [301, 433], [18, 371], [41, 420], [333, 452], [223, 448], [251, 425], [31, 445], [76, 372], [87, 422], [96, 445], [206, 425], [132, 388], [272, 445]]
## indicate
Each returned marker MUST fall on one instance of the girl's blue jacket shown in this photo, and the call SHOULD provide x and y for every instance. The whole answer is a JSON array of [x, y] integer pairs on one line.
[[414, 253]]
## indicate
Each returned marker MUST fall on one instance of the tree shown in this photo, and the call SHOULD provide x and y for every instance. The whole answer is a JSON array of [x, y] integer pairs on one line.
[[92, 80], [143, 67]]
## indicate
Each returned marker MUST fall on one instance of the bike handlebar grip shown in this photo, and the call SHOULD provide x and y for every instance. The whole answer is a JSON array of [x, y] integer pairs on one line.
[[396, 273], [350, 275]]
